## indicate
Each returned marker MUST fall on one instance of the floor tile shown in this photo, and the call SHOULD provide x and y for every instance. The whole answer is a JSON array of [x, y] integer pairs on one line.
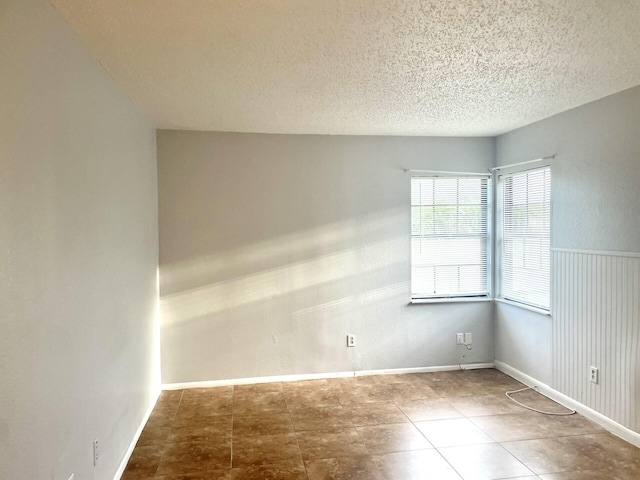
[[159, 419], [363, 393], [184, 458], [530, 425], [395, 389], [428, 409], [168, 401], [594, 475], [209, 392], [351, 381], [265, 450], [377, 413], [469, 382], [551, 455], [533, 399], [419, 377], [280, 471], [607, 450], [144, 461], [331, 443], [258, 388], [415, 465], [484, 462], [169, 396], [204, 406], [343, 468], [498, 389], [133, 475], [392, 438], [166, 409], [266, 424], [373, 389], [305, 397], [595, 452], [152, 435], [481, 405], [305, 384], [209, 430], [453, 432], [248, 403], [224, 474], [320, 418], [209, 401]]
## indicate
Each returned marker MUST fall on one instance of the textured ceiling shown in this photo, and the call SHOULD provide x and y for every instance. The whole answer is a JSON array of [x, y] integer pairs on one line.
[[440, 67]]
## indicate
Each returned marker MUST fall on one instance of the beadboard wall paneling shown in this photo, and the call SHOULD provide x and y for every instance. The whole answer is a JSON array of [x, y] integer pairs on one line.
[[596, 312]]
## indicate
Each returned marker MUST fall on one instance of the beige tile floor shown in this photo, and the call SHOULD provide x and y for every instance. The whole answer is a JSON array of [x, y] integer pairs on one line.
[[445, 425]]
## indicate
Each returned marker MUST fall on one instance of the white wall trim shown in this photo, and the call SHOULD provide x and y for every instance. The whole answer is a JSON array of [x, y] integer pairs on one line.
[[136, 437], [605, 422], [316, 376], [598, 252], [417, 301]]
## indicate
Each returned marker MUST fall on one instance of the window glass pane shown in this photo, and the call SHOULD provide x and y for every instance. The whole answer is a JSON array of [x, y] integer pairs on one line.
[[470, 191], [449, 236], [445, 191], [427, 220], [415, 221], [525, 237]]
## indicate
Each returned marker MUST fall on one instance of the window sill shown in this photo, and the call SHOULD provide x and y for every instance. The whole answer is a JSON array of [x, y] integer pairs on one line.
[[419, 301], [524, 306], [416, 301]]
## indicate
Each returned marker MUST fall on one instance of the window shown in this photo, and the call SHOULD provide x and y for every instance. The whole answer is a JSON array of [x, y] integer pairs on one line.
[[449, 239], [524, 202]]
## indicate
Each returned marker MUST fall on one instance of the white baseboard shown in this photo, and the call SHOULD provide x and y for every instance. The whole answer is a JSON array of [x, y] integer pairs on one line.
[[605, 422], [315, 376], [136, 437]]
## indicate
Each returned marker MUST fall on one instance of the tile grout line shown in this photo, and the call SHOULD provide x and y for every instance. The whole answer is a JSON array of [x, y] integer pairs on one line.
[[295, 434], [233, 418]]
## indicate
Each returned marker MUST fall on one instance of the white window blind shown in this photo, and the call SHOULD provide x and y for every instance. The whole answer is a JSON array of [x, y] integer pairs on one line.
[[525, 227], [448, 236]]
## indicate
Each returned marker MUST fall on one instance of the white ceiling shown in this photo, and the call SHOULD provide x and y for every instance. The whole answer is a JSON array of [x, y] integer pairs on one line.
[[394, 67]]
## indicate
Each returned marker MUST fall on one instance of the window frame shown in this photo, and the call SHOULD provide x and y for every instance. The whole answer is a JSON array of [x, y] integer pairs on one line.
[[486, 217], [499, 271]]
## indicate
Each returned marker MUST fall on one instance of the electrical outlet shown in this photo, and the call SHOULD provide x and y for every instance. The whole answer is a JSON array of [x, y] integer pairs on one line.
[[593, 373], [459, 338], [96, 455], [351, 340], [468, 340]]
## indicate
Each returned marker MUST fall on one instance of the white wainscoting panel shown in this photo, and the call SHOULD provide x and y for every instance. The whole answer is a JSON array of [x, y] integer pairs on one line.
[[596, 322]]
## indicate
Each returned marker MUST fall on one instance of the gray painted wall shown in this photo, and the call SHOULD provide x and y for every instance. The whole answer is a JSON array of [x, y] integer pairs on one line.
[[78, 263], [274, 247], [595, 201], [596, 172]]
